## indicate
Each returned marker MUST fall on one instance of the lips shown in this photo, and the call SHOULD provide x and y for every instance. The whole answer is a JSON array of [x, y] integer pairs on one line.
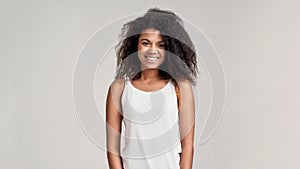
[[151, 58]]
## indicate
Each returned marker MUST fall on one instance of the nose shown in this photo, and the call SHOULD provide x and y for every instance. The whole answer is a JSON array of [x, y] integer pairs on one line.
[[152, 50]]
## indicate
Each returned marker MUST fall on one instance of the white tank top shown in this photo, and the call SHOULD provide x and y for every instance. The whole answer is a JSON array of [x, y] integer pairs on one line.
[[151, 128]]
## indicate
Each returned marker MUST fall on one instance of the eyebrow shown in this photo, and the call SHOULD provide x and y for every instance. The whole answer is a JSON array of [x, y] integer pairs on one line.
[[149, 40]]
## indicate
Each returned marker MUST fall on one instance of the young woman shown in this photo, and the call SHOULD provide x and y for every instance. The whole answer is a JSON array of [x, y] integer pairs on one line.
[[152, 95]]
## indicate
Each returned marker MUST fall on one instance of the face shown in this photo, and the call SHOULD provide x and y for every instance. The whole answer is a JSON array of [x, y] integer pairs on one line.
[[151, 49]]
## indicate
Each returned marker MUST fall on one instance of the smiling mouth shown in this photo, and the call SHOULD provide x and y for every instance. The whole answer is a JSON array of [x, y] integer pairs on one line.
[[152, 59]]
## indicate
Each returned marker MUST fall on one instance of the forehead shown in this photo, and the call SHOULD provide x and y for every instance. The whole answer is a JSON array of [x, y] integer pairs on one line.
[[151, 34]]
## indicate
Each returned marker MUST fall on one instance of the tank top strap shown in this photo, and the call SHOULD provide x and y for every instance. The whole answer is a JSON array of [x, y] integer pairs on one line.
[[126, 81], [125, 84]]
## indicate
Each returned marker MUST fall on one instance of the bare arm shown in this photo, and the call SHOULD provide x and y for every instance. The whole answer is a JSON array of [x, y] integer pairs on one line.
[[186, 123], [114, 124]]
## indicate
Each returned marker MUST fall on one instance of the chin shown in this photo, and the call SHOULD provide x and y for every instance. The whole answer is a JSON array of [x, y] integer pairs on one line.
[[150, 67]]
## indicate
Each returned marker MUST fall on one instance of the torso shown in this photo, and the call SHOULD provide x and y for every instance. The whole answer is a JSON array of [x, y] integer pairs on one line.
[[151, 128]]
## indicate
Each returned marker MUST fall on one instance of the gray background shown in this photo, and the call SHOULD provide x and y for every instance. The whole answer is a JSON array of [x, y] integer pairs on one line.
[[256, 40]]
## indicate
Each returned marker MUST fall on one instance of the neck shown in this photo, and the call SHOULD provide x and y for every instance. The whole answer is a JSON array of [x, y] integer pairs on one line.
[[150, 74]]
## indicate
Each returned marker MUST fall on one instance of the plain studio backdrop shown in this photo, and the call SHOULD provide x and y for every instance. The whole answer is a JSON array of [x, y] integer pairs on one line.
[[258, 44]]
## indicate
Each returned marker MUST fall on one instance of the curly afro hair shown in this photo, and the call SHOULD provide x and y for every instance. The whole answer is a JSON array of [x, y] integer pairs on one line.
[[181, 60]]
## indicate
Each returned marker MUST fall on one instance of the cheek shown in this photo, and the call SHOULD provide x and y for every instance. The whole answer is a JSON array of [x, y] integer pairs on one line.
[[162, 53], [163, 56], [140, 52], [141, 49], [140, 55]]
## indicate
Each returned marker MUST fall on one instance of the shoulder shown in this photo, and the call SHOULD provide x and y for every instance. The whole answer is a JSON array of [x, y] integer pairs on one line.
[[117, 84], [116, 87], [184, 85]]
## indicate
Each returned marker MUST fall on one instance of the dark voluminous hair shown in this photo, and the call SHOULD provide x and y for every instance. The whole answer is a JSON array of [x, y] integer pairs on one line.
[[180, 62]]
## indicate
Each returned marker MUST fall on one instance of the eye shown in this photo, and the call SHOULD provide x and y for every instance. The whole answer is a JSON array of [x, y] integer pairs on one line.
[[144, 43], [161, 45]]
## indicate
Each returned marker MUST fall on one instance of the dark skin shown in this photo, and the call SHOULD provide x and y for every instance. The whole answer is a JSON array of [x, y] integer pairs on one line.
[[150, 81], [114, 125]]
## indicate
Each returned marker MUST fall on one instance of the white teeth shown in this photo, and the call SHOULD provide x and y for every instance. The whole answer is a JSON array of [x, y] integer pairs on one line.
[[151, 58]]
